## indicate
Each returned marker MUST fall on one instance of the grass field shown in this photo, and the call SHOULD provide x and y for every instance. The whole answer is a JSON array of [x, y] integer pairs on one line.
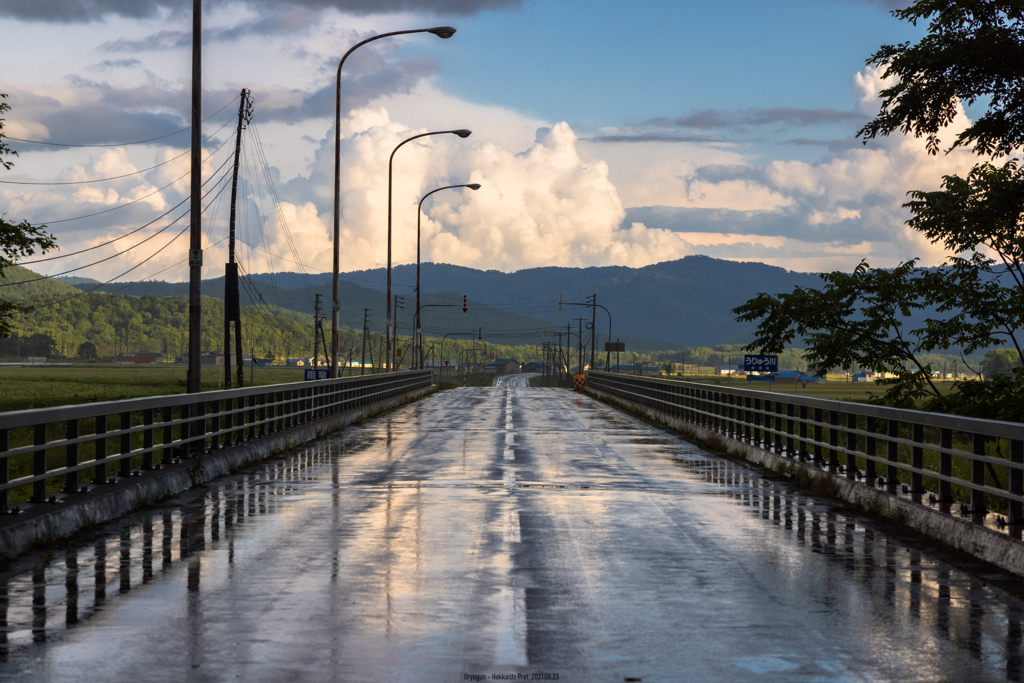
[[45, 387], [841, 391]]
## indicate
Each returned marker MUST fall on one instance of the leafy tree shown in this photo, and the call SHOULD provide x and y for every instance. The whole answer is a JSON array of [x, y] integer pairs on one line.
[[973, 52], [1000, 362], [17, 240], [87, 351]]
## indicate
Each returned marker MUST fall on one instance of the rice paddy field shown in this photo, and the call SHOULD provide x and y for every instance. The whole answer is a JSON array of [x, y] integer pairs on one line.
[[22, 388]]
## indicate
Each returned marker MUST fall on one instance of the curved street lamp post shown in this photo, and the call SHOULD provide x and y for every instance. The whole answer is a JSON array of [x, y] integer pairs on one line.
[[462, 133], [443, 32], [419, 213]]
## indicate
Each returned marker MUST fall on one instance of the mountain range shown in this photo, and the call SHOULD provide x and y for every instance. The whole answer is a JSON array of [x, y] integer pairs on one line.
[[669, 305]]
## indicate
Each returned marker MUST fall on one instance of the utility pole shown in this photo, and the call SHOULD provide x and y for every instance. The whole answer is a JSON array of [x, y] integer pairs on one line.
[[579, 340], [593, 327], [394, 333], [195, 251], [232, 307], [366, 323], [316, 332]]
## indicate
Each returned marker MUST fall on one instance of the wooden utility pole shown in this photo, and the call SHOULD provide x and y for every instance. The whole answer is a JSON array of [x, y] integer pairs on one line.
[[232, 307], [316, 332], [366, 333], [195, 251], [593, 327]]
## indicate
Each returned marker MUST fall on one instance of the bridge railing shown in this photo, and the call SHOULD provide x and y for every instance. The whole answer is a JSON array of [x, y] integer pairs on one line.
[[944, 455], [56, 448]]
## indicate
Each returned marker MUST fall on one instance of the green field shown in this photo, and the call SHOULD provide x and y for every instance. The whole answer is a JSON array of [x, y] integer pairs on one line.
[[841, 391], [45, 387]]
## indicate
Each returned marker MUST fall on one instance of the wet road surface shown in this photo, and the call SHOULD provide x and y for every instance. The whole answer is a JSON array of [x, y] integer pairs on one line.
[[504, 530]]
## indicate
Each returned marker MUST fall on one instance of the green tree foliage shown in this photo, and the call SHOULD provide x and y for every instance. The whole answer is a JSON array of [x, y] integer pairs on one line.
[[973, 52], [87, 351], [17, 240]]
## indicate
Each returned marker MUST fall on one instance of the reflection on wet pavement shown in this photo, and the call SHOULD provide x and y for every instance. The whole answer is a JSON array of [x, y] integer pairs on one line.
[[502, 530]]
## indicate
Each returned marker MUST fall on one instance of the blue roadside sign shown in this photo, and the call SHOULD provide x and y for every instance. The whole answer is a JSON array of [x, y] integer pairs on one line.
[[317, 373], [752, 363]]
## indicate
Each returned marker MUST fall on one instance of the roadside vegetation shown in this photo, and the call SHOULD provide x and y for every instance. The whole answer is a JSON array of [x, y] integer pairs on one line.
[[975, 301]]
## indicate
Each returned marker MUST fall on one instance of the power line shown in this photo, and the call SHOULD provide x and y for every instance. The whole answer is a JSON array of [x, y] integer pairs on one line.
[[120, 253], [118, 144], [117, 177], [103, 244]]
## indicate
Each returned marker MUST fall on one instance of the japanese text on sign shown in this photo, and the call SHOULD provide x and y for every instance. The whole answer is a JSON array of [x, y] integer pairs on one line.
[[753, 363], [314, 374]]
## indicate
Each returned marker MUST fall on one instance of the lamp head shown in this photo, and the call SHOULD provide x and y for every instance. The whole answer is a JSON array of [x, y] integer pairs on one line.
[[474, 186], [442, 31], [463, 133]]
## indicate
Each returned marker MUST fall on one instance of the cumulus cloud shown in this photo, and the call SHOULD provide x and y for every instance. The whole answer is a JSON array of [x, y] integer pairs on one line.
[[78, 11], [537, 207], [850, 200]]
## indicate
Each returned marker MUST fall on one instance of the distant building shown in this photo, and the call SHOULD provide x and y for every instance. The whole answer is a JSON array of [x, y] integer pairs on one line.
[[729, 370], [503, 366], [542, 368]]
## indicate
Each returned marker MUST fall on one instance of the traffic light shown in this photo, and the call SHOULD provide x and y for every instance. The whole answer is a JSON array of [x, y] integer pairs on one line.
[[480, 334], [464, 307], [559, 302]]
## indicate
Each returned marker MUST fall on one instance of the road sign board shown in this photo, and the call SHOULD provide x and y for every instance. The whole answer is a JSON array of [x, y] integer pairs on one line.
[[615, 347], [752, 363], [579, 381], [317, 373]]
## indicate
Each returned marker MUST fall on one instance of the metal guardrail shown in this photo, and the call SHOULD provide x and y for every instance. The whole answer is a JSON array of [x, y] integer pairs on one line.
[[57, 441], [915, 448]]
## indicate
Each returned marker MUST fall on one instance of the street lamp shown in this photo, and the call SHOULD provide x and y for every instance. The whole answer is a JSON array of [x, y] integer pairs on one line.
[[462, 133], [419, 213], [443, 32]]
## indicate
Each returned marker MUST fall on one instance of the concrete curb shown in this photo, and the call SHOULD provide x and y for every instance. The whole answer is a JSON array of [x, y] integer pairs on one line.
[[42, 522], [976, 540]]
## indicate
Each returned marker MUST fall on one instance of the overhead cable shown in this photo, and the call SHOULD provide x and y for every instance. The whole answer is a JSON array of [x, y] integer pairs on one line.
[[117, 144]]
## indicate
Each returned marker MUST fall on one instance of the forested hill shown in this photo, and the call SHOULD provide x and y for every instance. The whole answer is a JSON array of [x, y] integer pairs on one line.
[[66, 318], [687, 302]]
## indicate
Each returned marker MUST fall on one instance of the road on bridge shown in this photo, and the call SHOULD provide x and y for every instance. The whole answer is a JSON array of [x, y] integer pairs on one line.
[[504, 530]]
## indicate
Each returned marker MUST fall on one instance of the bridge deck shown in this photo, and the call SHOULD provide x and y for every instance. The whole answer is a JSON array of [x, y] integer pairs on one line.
[[504, 530]]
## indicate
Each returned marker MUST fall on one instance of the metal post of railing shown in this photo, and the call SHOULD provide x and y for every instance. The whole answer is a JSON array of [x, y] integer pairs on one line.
[[817, 435], [215, 423], [100, 450], [779, 447], [263, 414], [748, 433], [917, 459], [892, 475], [833, 440], [126, 444], [39, 464], [167, 454], [803, 433], [851, 446], [978, 474], [5, 469], [945, 465], [870, 449], [71, 456], [147, 438], [790, 414], [758, 432], [1016, 480]]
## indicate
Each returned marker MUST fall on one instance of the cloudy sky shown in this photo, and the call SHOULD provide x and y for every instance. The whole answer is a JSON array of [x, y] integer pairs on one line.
[[604, 132]]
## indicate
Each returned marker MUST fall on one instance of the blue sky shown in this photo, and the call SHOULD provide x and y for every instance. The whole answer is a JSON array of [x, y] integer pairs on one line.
[[604, 132]]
